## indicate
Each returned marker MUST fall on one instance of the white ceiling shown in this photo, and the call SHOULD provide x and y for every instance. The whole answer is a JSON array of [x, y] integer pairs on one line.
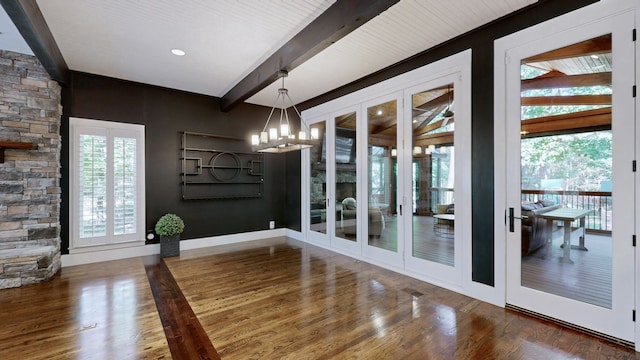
[[226, 39]]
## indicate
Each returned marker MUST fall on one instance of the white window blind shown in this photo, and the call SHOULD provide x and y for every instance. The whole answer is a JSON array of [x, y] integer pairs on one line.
[[107, 172]]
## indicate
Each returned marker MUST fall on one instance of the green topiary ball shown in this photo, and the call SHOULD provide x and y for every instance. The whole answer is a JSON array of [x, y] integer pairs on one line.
[[169, 224]]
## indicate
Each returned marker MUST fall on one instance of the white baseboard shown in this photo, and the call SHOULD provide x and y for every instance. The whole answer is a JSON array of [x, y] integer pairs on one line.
[[108, 255], [230, 239], [295, 235], [154, 249]]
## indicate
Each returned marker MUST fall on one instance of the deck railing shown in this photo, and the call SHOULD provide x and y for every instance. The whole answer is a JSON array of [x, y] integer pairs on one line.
[[599, 201]]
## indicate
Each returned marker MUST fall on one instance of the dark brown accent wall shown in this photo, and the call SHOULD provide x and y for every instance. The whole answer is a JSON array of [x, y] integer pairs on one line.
[[480, 41], [165, 114]]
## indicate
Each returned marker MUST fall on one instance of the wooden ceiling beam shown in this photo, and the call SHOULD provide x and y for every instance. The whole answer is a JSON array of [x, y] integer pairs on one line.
[[565, 81], [442, 99], [28, 19], [433, 126], [336, 22], [566, 100], [600, 45], [571, 122], [444, 138]]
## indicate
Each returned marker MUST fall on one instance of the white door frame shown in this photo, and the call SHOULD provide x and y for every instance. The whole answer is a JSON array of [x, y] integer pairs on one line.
[[393, 259], [554, 28]]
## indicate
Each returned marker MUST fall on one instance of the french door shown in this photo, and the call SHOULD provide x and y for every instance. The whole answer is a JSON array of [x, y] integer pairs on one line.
[[570, 186], [383, 232], [437, 206]]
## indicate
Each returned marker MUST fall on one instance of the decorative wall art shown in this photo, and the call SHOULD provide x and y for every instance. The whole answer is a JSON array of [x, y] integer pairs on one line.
[[219, 167]]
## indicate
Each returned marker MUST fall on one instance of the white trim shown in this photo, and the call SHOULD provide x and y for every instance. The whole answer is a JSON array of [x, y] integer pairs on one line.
[[109, 255], [230, 239], [190, 244]]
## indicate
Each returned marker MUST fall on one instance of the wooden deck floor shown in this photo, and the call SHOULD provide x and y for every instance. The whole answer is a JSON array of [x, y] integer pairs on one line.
[[272, 299], [588, 279]]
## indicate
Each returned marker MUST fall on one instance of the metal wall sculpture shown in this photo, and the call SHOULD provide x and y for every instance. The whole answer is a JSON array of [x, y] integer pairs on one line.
[[219, 167]]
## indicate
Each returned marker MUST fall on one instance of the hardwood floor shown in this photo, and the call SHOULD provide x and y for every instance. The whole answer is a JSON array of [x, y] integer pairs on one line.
[[292, 300], [99, 311], [271, 299], [184, 333]]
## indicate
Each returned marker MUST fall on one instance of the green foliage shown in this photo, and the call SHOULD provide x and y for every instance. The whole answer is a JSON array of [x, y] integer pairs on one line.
[[583, 161], [579, 161], [169, 224]]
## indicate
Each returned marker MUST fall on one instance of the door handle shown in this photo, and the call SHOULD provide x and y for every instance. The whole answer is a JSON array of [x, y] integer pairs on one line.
[[511, 217], [400, 209]]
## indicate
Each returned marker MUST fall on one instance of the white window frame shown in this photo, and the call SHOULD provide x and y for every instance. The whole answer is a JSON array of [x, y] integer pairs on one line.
[[78, 127]]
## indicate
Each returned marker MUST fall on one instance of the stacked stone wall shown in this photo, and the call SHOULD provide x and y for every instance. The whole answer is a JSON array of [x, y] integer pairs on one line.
[[30, 112]]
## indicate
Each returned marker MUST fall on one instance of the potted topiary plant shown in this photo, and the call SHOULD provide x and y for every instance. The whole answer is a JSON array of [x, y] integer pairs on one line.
[[169, 228]]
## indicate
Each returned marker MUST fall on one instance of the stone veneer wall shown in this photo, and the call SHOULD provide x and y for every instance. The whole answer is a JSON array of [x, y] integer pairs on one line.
[[30, 111]]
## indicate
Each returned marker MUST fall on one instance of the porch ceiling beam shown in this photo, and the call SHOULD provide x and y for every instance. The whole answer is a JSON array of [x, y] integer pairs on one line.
[[337, 21], [442, 99], [600, 45], [433, 126], [559, 124], [565, 81], [29, 21], [566, 100]]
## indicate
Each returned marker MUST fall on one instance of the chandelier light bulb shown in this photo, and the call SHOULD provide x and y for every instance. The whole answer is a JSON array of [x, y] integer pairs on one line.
[[284, 130], [273, 134]]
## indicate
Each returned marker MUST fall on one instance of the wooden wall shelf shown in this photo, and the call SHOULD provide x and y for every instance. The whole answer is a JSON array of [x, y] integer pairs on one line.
[[14, 145]]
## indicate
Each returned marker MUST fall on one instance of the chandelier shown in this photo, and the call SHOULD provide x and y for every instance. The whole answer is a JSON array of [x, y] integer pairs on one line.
[[281, 138]]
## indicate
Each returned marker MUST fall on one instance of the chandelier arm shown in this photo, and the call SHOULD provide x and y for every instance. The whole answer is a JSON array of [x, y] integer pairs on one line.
[[271, 113], [281, 111], [296, 110]]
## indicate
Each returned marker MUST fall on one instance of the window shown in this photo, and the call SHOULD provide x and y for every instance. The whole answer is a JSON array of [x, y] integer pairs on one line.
[[107, 186]]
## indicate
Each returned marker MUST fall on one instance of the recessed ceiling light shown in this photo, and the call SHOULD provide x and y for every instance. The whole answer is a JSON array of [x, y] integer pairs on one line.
[[177, 52], [379, 112], [594, 57]]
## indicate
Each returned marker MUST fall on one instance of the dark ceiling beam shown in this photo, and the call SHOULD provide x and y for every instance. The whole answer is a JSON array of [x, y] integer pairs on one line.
[[341, 18], [29, 21]]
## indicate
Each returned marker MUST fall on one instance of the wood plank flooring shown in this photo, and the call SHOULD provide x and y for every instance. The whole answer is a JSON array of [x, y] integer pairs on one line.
[[271, 299], [98, 311], [291, 300], [187, 339]]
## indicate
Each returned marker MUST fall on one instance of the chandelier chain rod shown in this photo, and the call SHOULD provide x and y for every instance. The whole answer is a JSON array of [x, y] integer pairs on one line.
[[275, 103]]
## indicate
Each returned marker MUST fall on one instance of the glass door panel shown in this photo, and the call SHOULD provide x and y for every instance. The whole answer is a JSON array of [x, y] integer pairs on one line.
[[345, 185], [382, 135], [383, 213], [433, 175], [318, 181], [566, 170]]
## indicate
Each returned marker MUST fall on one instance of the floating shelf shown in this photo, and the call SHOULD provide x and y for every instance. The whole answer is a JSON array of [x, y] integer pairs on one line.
[[14, 145]]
